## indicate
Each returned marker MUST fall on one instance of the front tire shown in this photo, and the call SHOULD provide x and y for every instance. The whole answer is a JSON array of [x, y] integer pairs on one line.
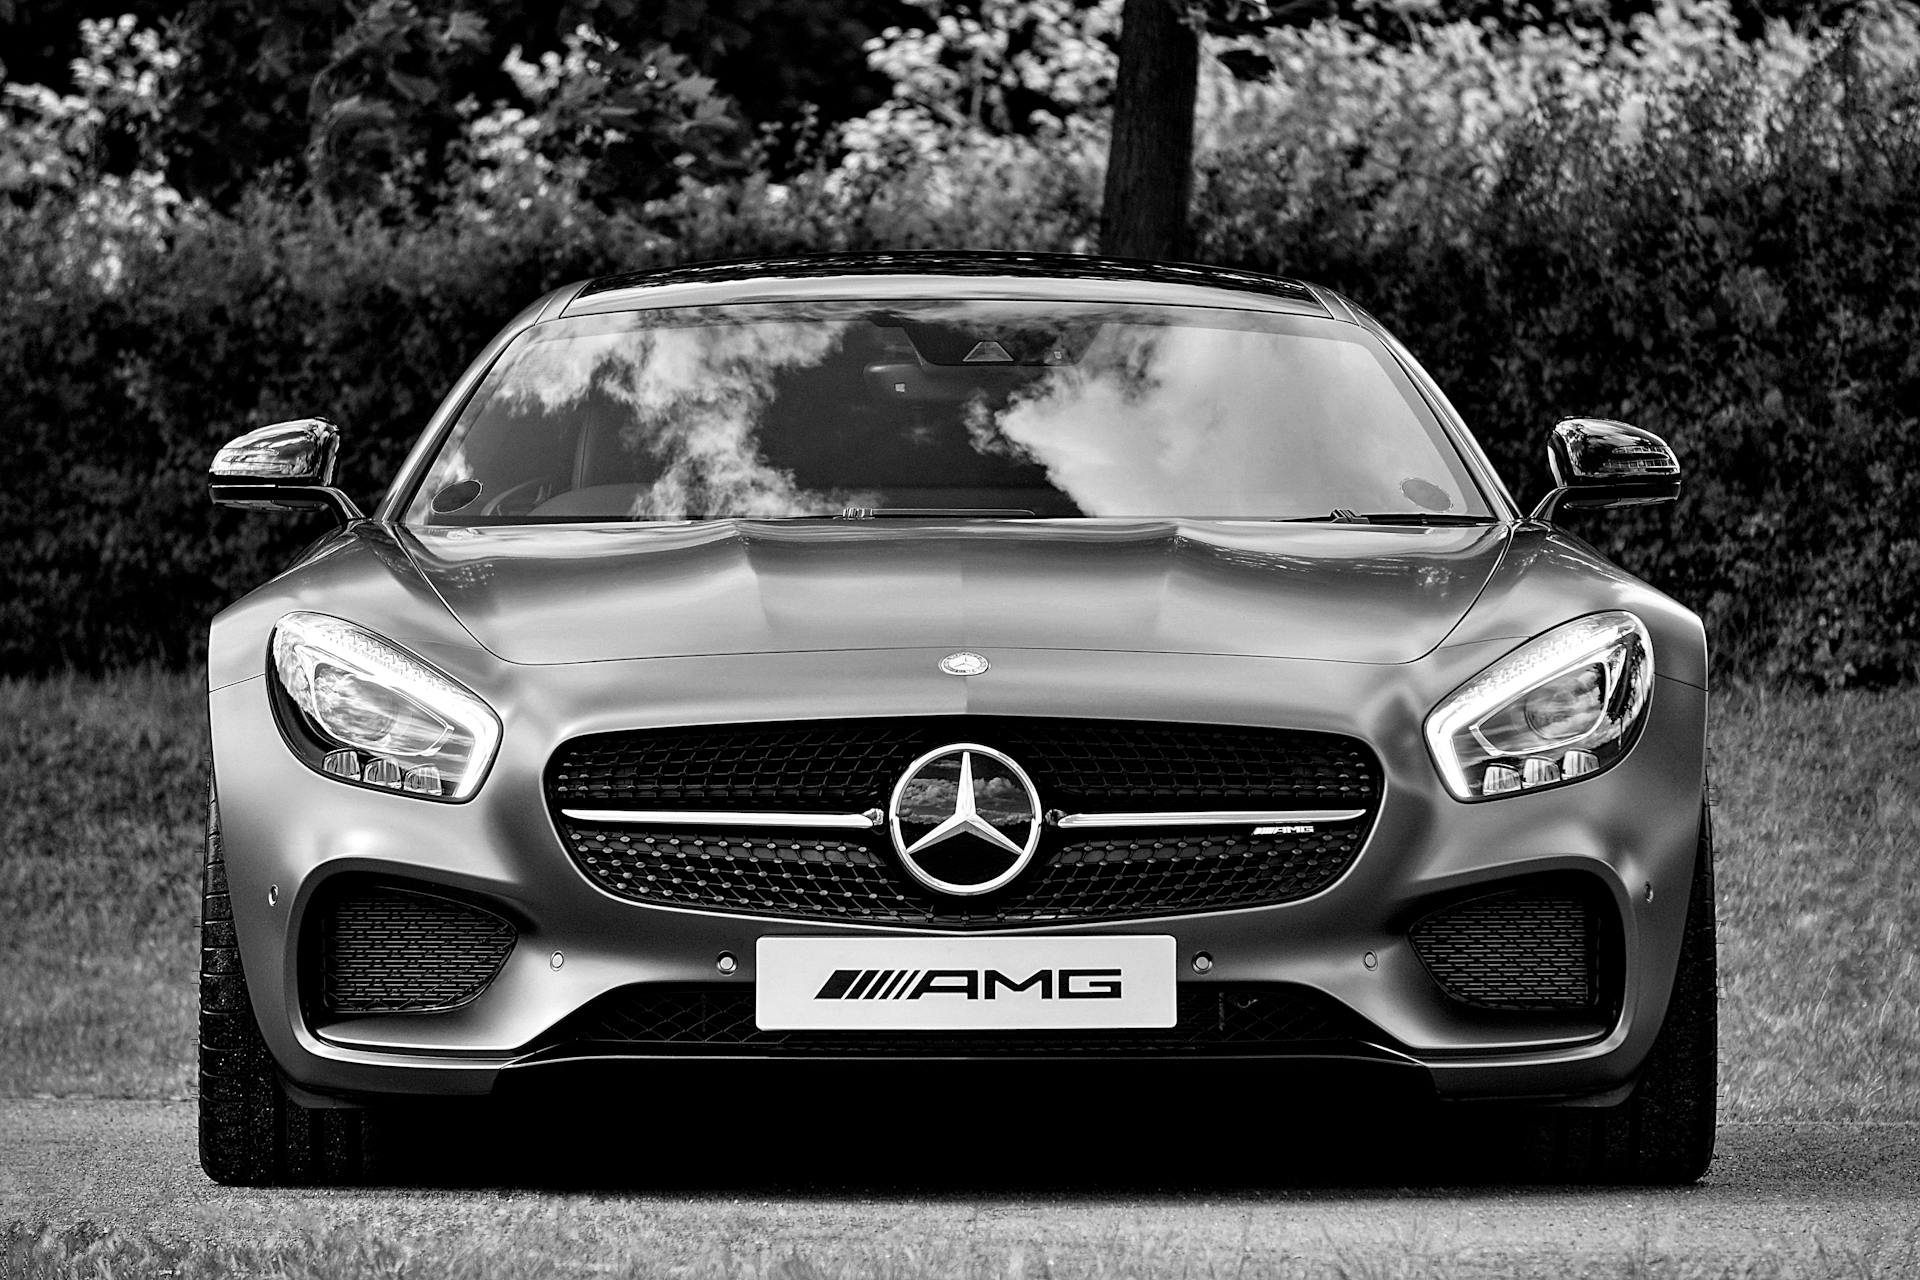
[[1664, 1134], [251, 1133]]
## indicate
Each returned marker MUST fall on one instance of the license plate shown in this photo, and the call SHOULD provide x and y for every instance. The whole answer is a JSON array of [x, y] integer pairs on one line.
[[963, 984]]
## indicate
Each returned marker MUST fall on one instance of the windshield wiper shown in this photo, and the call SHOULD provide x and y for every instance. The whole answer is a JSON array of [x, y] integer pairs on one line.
[[1340, 515], [934, 513], [1424, 517], [895, 513]]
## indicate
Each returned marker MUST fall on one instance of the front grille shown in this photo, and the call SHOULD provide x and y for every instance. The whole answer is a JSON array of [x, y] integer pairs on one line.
[[1241, 1018], [385, 950], [1522, 949], [803, 876], [851, 766]]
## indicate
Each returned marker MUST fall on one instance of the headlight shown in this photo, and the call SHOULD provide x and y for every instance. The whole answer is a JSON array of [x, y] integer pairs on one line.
[[1562, 706], [377, 715]]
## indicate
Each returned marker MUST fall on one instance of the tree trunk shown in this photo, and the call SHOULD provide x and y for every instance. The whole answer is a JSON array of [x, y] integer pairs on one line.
[[1150, 162]]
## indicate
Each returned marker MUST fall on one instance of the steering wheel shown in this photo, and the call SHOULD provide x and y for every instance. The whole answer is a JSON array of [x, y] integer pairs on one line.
[[518, 499]]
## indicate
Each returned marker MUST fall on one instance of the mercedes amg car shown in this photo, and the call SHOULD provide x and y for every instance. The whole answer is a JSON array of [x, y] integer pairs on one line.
[[935, 660]]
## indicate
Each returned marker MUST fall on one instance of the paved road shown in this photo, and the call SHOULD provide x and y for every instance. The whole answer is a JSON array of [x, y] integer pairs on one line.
[[852, 1193]]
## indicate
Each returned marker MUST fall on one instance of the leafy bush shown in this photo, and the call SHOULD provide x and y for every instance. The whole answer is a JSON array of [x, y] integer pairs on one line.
[[121, 386]]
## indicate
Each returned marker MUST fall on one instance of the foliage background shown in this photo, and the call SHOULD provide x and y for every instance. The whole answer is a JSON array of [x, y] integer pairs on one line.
[[1700, 220]]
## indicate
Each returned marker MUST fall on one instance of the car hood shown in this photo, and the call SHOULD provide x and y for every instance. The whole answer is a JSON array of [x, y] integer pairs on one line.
[[1353, 593]]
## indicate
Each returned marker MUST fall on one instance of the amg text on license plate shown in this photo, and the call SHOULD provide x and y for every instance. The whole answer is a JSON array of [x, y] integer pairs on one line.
[[960, 984]]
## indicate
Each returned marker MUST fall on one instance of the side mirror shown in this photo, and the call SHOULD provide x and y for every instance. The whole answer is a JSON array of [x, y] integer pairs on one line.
[[1598, 463], [287, 465]]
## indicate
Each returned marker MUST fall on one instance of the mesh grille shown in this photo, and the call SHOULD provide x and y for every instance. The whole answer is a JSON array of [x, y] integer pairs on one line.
[[1517, 950], [811, 877], [1218, 1017], [394, 951], [806, 768], [1177, 873], [852, 766]]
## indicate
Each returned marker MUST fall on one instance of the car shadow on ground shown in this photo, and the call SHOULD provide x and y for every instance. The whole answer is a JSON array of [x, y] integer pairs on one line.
[[1073, 1142]]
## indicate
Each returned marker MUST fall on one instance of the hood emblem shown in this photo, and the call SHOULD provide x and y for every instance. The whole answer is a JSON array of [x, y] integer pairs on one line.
[[964, 664], [965, 819]]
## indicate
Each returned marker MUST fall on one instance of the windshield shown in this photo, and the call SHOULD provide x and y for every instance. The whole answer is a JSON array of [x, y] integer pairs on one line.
[[991, 408]]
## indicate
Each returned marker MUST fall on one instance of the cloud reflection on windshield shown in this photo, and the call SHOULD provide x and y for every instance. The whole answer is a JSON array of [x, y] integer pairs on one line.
[[1149, 416], [694, 399], [700, 413]]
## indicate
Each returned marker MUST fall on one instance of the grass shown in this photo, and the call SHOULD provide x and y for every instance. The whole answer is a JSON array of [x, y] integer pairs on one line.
[[527, 1247], [101, 815], [1816, 820]]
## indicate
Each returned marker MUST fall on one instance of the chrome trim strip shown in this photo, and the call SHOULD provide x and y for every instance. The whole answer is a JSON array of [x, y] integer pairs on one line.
[[1205, 818], [728, 818], [873, 818]]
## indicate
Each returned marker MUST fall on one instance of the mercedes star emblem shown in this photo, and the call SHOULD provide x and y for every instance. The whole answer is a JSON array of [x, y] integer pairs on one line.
[[965, 819], [964, 664]]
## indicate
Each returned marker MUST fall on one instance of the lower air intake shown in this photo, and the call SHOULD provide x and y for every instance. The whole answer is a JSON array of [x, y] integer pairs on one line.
[[1523, 949], [388, 950], [719, 1020]]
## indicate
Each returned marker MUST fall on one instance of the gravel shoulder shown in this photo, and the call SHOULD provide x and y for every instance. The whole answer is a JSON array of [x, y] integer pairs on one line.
[[1782, 1193]]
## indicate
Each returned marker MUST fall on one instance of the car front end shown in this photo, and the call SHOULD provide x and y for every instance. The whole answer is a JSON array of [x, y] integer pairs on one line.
[[1415, 800]]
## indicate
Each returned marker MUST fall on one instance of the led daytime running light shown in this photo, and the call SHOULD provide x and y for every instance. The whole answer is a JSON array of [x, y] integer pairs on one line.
[[1615, 643], [386, 718]]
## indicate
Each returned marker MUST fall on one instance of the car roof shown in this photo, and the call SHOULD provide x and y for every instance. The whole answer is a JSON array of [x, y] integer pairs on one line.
[[948, 273]]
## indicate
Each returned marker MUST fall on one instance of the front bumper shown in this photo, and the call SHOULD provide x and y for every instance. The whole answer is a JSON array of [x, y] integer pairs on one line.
[[289, 833]]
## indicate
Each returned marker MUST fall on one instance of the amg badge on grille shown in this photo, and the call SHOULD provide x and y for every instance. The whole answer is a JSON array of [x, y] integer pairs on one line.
[[965, 819], [964, 664]]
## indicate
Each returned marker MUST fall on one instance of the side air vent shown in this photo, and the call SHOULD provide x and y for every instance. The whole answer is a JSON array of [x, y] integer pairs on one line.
[[1521, 949], [386, 950]]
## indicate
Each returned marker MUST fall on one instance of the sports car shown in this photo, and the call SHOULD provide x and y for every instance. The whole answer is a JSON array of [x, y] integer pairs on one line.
[[912, 661]]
